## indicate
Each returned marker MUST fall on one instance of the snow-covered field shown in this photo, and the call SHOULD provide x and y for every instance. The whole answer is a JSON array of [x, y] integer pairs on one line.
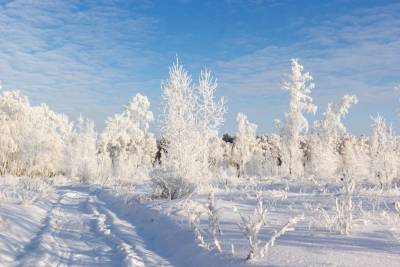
[[88, 225]]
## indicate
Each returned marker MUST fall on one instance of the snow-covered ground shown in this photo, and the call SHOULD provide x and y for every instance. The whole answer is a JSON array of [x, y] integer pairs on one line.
[[88, 225], [71, 227], [83, 225]]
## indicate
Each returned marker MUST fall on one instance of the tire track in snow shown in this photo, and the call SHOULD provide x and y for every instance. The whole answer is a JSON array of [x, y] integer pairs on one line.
[[123, 236], [127, 256], [65, 237], [34, 243], [80, 230]]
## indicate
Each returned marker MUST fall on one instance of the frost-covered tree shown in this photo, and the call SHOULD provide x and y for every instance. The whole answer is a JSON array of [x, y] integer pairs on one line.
[[191, 120], [354, 157], [363, 157], [180, 128], [45, 141], [210, 118], [299, 85], [332, 122], [127, 141], [83, 151], [144, 142], [384, 160], [245, 142], [266, 159], [12, 115], [34, 139], [325, 138]]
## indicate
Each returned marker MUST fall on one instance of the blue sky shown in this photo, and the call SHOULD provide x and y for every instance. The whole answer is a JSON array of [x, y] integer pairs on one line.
[[93, 56]]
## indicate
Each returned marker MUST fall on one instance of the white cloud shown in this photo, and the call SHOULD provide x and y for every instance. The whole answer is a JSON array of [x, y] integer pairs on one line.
[[91, 56]]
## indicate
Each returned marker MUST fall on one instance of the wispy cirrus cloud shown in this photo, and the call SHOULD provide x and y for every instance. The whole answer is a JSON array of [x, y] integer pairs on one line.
[[92, 56]]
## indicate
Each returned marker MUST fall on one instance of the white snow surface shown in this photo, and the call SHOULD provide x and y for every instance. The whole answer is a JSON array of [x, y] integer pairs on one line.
[[88, 225], [71, 228]]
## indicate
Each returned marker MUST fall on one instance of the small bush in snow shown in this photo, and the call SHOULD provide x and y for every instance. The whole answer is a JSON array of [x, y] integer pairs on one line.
[[251, 226], [395, 229], [325, 220], [213, 222], [194, 212], [344, 208], [169, 185], [24, 190]]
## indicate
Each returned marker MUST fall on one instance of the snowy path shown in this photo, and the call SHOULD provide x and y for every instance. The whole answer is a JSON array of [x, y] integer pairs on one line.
[[87, 225], [80, 230]]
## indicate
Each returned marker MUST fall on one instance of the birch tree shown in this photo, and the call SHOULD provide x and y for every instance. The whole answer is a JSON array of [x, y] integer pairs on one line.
[[325, 138], [299, 85], [180, 127], [245, 142]]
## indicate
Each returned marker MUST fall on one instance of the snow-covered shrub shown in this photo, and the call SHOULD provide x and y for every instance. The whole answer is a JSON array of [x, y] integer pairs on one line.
[[251, 226], [344, 207], [214, 228], [299, 86], [30, 189], [194, 212], [169, 185], [24, 190], [352, 166], [325, 220]]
